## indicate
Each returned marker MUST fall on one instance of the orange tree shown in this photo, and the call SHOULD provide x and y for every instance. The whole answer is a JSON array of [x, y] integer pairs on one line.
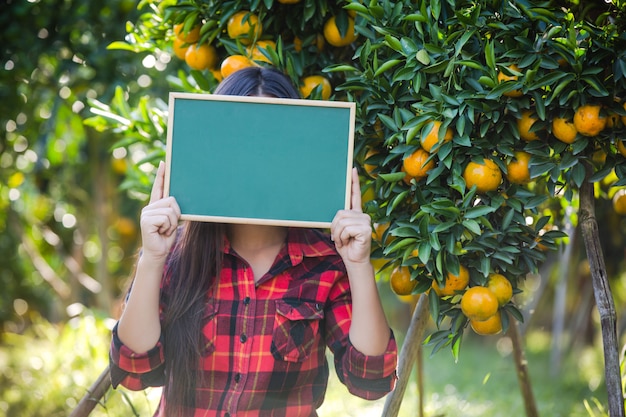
[[473, 119]]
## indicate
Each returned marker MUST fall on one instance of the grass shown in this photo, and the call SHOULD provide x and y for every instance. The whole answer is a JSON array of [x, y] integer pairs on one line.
[[484, 383]]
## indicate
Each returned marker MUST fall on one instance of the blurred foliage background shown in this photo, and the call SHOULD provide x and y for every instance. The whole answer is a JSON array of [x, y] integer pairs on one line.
[[71, 190]]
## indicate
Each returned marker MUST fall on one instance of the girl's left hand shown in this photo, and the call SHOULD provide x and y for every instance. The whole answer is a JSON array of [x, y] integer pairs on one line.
[[351, 230]]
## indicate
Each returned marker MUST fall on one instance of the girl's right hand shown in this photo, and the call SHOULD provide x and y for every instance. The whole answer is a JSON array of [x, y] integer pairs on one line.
[[159, 220]]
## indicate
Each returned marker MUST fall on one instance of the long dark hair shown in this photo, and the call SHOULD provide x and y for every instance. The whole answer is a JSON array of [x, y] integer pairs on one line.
[[196, 261]]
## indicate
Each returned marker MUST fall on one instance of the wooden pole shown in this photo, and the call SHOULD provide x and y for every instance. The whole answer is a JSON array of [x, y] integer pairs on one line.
[[408, 356], [93, 395], [603, 297], [523, 377]]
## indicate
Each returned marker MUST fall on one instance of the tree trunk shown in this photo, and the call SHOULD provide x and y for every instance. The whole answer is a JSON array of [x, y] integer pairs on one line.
[[603, 297], [93, 395], [408, 356], [522, 370]]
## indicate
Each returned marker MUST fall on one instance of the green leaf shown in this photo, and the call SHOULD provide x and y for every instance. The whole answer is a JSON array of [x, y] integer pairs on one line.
[[478, 211], [393, 177]]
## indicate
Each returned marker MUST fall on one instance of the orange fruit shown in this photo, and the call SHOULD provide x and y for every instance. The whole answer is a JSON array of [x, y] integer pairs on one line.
[[486, 176], [517, 169], [378, 264], [479, 303], [244, 26], [369, 168], [190, 37], [415, 165], [217, 74], [493, 325], [524, 124], [126, 227], [619, 201], [502, 77], [201, 57], [180, 47], [624, 117], [430, 136], [453, 283], [256, 53], [311, 82], [234, 63], [401, 282], [588, 120], [501, 287], [564, 129], [613, 120], [621, 147], [379, 232], [333, 35]]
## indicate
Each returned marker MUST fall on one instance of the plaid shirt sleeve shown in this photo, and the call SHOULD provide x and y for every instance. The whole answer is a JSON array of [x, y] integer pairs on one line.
[[135, 371], [369, 377]]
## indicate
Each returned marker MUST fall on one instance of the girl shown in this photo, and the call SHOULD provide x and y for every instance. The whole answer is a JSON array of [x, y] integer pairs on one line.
[[234, 319]]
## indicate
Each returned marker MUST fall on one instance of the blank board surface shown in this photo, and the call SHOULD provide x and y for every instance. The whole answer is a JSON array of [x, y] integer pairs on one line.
[[259, 160]]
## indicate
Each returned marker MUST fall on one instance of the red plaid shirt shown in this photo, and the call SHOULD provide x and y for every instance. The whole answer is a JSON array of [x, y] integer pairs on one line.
[[266, 342]]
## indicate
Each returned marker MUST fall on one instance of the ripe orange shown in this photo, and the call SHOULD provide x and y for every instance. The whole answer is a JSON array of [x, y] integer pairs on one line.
[[369, 168], [588, 120], [430, 136], [624, 117], [453, 283], [486, 176], [621, 147], [479, 303], [613, 120], [415, 165], [501, 287], [180, 47], [244, 26], [217, 74], [311, 82], [333, 35], [517, 169], [502, 77], [564, 130], [493, 325], [619, 201], [379, 232], [234, 63], [319, 43], [401, 282], [201, 57], [524, 124], [256, 53], [190, 37]]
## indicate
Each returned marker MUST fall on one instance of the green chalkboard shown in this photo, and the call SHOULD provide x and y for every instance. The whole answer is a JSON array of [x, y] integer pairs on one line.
[[259, 160]]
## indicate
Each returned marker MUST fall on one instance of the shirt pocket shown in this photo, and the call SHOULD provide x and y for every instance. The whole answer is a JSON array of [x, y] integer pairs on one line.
[[296, 327], [209, 328]]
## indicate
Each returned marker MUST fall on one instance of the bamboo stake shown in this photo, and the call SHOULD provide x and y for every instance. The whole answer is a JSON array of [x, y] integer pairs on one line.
[[603, 297], [93, 396], [408, 356]]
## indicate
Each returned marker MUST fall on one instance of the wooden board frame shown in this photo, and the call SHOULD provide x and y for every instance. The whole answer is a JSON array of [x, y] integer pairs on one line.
[[259, 160]]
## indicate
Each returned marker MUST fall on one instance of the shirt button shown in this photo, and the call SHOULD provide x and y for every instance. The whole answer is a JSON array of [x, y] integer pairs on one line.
[[243, 338], [246, 301], [237, 378]]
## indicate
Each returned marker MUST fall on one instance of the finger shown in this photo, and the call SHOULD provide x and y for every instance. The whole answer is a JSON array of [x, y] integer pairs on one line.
[[159, 181], [356, 191]]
